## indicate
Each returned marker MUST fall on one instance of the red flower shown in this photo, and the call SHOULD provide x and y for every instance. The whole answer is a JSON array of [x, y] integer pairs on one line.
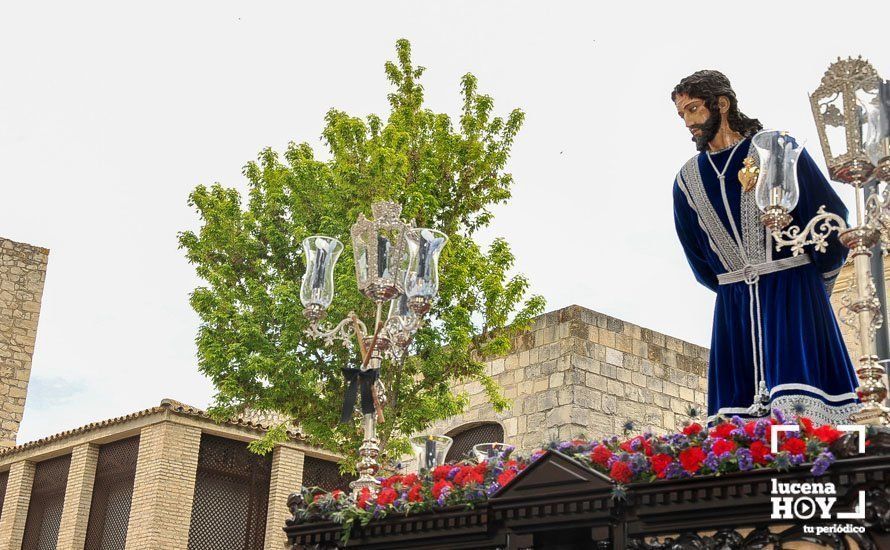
[[391, 480], [363, 497], [337, 494], [621, 472], [759, 450], [806, 424], [724, 430], [467, 475], [643, 445], [750, 427], [414, 493], [659, 463], [440, 486], [481, 468], [506, 477], [721, 446], [692, 458], [794, 445], [441, 472], [692, 429], [601, 455], [827, 434], [386, 496], [409, 480], [317, 497]]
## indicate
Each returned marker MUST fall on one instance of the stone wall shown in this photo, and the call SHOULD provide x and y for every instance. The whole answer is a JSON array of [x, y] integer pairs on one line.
[[22, 274], [580, 372]]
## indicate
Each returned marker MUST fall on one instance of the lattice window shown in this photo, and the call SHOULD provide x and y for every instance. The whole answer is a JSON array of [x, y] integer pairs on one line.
[[4, 477], [465, 438], [231, 496], [318, 472], [45, 507], [112, 495]]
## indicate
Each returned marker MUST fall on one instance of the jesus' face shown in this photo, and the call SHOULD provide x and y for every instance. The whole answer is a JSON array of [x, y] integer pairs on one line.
[[701, 123]]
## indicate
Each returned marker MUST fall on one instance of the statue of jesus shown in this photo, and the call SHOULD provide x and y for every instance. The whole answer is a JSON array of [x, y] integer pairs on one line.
[[775, 342]]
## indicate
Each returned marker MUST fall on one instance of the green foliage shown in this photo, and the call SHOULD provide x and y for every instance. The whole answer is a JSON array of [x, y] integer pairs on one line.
[[251, 340]]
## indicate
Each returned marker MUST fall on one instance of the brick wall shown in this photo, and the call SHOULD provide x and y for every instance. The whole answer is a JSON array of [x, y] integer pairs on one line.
[[164, 487], [287, 476], [582, 372], [22, 274]]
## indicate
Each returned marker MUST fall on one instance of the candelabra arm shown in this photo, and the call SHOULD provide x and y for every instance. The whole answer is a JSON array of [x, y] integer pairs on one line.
[[343, 331], [815, 233]]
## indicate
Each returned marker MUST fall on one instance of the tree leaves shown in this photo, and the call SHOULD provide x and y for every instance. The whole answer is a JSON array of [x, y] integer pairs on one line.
[[251, 340]]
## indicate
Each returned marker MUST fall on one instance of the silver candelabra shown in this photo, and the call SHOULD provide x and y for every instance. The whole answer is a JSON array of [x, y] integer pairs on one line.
[[395, 262]]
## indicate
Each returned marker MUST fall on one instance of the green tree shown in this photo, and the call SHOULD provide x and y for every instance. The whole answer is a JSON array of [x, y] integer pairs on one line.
[[251, 339]]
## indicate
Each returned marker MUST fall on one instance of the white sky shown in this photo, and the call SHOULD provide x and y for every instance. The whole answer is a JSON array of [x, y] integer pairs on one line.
[[111, 113]]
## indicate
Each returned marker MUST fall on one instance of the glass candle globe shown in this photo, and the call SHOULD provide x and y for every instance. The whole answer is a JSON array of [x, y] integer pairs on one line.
[[317, 289], [876, 132], [777, 184], [422, 275], [488, 451], [430, 450]]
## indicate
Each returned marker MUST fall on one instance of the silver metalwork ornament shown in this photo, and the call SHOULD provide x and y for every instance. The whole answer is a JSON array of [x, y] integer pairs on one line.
[[836, 103], [381, 252], [380, 248], [815, 233], [845, 100]]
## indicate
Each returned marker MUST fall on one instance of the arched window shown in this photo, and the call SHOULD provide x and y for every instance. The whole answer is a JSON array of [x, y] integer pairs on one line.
[[472, 434]]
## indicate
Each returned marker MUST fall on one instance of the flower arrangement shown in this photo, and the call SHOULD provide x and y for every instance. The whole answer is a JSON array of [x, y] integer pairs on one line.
[[729, 446], [462, 484]]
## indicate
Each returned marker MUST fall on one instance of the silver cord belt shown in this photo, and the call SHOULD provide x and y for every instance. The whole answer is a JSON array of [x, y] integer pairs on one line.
[[751, 273]]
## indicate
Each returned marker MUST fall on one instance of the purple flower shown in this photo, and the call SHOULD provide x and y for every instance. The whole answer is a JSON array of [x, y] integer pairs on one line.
[[737, 420], [452, 473], [797, 460], [760, 428], [639, 463], [712, 462], [564, 445], [822, 463], [493, 488], [536, 455], [746, 461], [780, 416], [674, 470]]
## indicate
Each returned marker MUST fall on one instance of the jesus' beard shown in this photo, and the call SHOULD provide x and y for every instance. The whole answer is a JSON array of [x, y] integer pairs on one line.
[[707, 131]]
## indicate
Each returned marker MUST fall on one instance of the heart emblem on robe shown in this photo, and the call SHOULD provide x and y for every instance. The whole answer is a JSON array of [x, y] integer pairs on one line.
[[748, 175]]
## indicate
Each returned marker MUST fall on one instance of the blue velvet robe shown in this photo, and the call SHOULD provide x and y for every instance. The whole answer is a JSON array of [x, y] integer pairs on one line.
[[804, 363]]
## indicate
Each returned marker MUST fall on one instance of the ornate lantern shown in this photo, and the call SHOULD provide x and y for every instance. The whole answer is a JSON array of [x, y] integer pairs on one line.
[[840, 105], [380, 251]]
